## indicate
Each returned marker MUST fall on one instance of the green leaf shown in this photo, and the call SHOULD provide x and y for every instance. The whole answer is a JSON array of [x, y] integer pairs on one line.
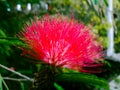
[[58, 87], [96, 2], [22, 86], [106, 2], [5, 48], [67, 70], [2, 33], [107, 63], [12, 42], [25, 71], [1, 88], [84, 78]]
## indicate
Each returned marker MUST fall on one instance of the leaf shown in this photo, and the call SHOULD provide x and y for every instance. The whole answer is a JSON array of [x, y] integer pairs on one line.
[[1, 88], [12, 42], [25, 71], [84, 78], [2, 33], [67, 70], [22, 86], [107, 63], [58, 87], [106, 2], [96, 2], [5, 48]]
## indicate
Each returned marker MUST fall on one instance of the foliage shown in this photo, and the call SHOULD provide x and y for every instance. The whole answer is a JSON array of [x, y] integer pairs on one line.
[[78, 78]]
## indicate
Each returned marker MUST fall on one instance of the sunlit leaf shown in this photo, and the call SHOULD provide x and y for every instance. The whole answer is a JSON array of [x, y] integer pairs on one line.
[[58, 87]]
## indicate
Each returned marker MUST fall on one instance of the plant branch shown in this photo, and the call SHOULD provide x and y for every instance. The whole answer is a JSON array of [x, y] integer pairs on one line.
[[17, 73], [14, 79]]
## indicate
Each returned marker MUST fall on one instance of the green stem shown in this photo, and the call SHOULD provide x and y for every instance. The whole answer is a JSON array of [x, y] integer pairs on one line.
[[4, 83]]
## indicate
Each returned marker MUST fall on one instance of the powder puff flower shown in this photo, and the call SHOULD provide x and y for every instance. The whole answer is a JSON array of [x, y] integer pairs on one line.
[[61, 43]]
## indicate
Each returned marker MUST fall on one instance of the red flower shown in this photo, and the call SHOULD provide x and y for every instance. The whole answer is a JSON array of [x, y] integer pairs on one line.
[[64, 43]]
